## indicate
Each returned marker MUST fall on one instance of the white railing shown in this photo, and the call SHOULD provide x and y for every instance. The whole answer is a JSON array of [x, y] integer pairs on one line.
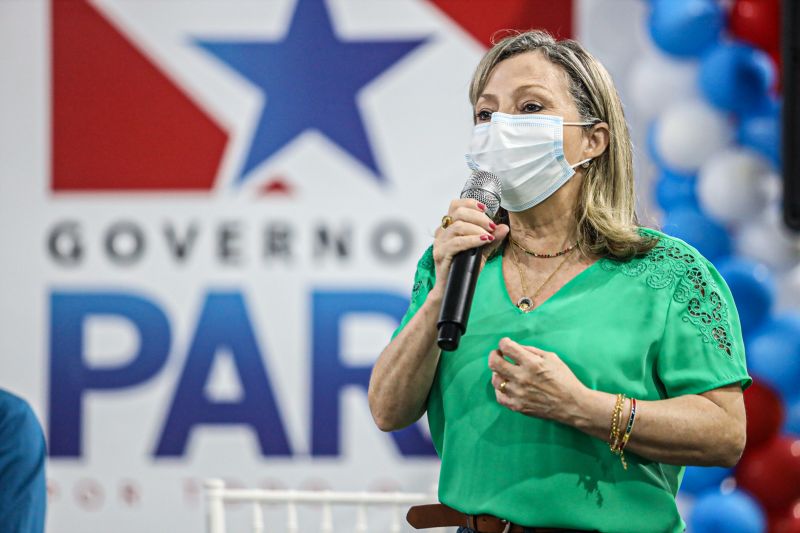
[[217, 495]]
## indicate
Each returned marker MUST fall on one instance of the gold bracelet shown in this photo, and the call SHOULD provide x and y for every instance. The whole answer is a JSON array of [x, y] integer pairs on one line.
[[616, 420], [628, 430]]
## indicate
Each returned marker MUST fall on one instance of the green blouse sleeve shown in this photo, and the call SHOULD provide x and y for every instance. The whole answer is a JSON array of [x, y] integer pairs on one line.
[[424, 279], [702, 346]]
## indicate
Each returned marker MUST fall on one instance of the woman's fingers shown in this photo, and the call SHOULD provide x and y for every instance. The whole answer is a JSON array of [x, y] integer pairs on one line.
[[474, 216], [499, 365], [469, 227], [519, 353], [500, 233], [461, 228]]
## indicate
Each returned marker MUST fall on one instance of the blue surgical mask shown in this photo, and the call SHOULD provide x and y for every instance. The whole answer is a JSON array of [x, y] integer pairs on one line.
[[527, 153]]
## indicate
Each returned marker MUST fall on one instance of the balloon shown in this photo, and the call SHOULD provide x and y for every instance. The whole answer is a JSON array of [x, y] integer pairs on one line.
[[731, 185], [762, 133], [685, 28], [692, 226], [771, 473], [734, 512], [764, 414], [675, 190], [737, 77], [787, 521], [686, 134], [757, 22], [773, 355], [753, 290], [699, 479], [656, 81], [766, 239], [792, 418]]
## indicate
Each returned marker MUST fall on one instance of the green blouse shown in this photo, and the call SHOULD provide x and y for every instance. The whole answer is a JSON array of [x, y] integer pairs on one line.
[[657, 326]]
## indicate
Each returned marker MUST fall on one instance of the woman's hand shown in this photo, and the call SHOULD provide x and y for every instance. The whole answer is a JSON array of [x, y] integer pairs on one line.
[[471, 227], [540, 384]]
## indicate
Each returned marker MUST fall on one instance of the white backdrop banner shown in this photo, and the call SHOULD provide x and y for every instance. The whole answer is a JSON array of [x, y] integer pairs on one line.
[[211, 212]]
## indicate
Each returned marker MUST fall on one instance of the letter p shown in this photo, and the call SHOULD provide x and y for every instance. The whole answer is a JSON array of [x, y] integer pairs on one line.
[[71, 376]]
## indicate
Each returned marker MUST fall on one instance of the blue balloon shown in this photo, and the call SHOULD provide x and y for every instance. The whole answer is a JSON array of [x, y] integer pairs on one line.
[[686, 28], [699, 479], [791, 424], [753, 290], [737, 78], [773, 355], [675, 190], [652, 150], [762, 133], [734, 512], [689, 224]]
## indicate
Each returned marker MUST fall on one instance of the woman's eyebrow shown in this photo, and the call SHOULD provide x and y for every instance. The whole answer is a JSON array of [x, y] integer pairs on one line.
[[532, 86], [519, 90]]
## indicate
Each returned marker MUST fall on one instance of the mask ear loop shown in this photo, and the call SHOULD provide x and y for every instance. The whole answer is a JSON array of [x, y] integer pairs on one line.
[[583, 164]]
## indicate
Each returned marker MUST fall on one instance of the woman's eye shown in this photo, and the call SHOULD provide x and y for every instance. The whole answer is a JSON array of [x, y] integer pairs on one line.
[[530, 107], [483, 115]]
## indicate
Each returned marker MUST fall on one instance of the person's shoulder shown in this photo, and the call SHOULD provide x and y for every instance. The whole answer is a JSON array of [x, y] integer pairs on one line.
[[674, 247], [16, 415], [669, 260]]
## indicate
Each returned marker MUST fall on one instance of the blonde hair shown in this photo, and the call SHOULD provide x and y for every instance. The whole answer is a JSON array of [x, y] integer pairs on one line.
[[606, 210]]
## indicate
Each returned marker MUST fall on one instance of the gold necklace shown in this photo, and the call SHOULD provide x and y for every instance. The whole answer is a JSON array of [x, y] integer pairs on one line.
[[525, 303], [535, 254]]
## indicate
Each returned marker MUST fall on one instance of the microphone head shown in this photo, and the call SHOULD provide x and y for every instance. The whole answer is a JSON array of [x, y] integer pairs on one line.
[[484, 187]]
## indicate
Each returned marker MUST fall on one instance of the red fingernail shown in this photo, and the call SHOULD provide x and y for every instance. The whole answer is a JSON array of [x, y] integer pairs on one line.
[[481, 206], [492, 226], [491, 237], [485, 237]]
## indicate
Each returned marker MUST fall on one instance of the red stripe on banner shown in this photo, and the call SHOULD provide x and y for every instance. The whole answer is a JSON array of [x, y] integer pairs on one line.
[[119, 123], [483, 18]]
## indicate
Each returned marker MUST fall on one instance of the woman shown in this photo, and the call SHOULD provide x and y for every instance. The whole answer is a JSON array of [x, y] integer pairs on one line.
[[600, 356]]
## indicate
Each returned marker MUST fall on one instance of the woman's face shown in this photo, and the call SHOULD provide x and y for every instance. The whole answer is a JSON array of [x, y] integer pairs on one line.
[[530, 83]]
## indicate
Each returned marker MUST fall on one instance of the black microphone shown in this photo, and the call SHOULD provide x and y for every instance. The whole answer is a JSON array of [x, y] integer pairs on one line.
[[457, 302]]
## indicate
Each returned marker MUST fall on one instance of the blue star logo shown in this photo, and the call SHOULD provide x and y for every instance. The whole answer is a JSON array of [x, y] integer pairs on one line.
[[310, 79]]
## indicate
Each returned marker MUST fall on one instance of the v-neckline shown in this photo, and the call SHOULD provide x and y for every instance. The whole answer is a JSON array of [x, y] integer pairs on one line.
[[562, 289]]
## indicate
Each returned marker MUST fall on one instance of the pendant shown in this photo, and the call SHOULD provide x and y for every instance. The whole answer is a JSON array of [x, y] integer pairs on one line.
[[525, 304]]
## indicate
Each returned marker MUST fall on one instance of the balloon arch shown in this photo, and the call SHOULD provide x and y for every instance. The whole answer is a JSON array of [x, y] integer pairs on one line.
[[712, 95]]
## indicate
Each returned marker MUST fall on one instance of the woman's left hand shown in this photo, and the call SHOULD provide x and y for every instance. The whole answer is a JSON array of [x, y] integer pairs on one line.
[[540, 384]]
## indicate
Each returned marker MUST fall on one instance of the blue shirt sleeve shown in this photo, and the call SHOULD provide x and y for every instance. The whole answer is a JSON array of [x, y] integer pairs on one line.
[[23, 492]]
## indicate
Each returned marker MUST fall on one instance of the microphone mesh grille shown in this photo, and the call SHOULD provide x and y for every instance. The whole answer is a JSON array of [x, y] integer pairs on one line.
[[484, 187]]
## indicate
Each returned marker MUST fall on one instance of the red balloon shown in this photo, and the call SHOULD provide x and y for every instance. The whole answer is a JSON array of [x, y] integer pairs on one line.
[[757, 22], [771, 473], [787, 521], [765, 413]]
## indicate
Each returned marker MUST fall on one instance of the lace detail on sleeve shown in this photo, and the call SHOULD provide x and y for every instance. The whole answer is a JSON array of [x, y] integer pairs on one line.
[[426, 274], [671, 265]]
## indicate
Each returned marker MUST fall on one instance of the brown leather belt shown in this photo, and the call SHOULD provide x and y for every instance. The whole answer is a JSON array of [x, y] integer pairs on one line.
[[440, 515]]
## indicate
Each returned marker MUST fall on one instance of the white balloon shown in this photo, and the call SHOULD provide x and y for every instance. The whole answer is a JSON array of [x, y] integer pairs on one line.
[[788, 296], [767, 239], [657, 81], [732, 185], [688, 133]]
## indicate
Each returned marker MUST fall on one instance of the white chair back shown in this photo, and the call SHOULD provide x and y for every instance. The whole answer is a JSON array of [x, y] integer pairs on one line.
[[218, 495]]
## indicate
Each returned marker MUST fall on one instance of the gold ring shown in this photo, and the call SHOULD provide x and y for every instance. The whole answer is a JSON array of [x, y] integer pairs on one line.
[[503, 386], [446, 221]]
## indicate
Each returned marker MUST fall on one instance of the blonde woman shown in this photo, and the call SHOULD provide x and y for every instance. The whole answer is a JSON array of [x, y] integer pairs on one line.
[[600, 357]]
